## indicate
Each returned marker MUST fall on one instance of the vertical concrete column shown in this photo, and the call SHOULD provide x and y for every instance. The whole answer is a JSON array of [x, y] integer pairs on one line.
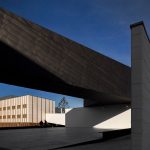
[[140, 46]]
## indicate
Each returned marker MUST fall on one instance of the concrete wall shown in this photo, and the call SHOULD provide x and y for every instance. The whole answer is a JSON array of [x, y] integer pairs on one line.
[[56, 119], [107, 117], [140, 87]]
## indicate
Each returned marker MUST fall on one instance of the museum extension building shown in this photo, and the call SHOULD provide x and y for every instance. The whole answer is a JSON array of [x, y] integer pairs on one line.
[[24, 110]]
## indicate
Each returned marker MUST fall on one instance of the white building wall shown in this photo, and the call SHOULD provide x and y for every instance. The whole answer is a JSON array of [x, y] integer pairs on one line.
[[5, 112], [29, 108], [13, 110], [47, 106], [25, 109], [39, 109], [56, 119], [43, 109], [35, 109], [21, 102], [18, 111], [53, 107]]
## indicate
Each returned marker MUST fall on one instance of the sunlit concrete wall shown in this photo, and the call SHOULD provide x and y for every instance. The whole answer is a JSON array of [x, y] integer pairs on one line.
[[106, 117], [58, 118], [140, 87], [25, 109]]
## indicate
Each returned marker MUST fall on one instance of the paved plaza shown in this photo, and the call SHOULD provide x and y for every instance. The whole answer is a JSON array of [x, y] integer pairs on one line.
[[45, 138], [123, 143]]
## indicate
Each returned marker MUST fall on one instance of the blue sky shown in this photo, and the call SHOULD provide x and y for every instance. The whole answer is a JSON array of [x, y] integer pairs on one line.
[[102, 25], [19, 91]]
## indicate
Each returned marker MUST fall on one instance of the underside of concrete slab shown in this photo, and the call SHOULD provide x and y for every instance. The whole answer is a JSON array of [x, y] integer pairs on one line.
[[32, 56]]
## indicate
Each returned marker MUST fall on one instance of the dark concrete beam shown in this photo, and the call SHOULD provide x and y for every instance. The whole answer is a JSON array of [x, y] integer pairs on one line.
[[32, 56]]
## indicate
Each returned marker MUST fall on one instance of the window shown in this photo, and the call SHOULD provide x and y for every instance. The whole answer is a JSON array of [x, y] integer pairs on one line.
[[18, 106], [13, 107], [24, 105], [0, 117], [0, 109], [18, 116], [13, 116], [8, 116], [24, 115], [4, 117], [8, 108], [4, 108]]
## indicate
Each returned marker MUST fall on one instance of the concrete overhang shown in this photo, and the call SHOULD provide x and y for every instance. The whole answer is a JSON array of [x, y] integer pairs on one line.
[[34, 57]]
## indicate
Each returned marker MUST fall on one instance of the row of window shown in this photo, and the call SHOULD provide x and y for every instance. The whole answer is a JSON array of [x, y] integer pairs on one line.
[[14, 107], [13, 116]]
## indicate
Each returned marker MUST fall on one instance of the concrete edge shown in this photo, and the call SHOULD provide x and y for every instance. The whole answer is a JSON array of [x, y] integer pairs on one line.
[[140, 23]]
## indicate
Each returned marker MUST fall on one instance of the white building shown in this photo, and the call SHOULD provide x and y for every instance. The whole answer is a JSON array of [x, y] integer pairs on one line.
[[25, 109]]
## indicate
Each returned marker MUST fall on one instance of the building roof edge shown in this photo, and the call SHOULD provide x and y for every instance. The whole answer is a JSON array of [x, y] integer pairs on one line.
[[139, 24]]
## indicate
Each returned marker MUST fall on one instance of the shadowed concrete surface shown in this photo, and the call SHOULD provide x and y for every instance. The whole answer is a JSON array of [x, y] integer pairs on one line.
[[41, 59], [104, 117], [45, 138], [123, 143]]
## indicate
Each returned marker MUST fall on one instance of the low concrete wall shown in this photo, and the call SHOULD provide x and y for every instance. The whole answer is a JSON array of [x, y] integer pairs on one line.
[[107, 117], [56, 119]]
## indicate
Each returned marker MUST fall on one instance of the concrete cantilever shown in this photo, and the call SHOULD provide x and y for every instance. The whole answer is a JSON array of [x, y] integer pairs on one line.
[[34, 57]]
